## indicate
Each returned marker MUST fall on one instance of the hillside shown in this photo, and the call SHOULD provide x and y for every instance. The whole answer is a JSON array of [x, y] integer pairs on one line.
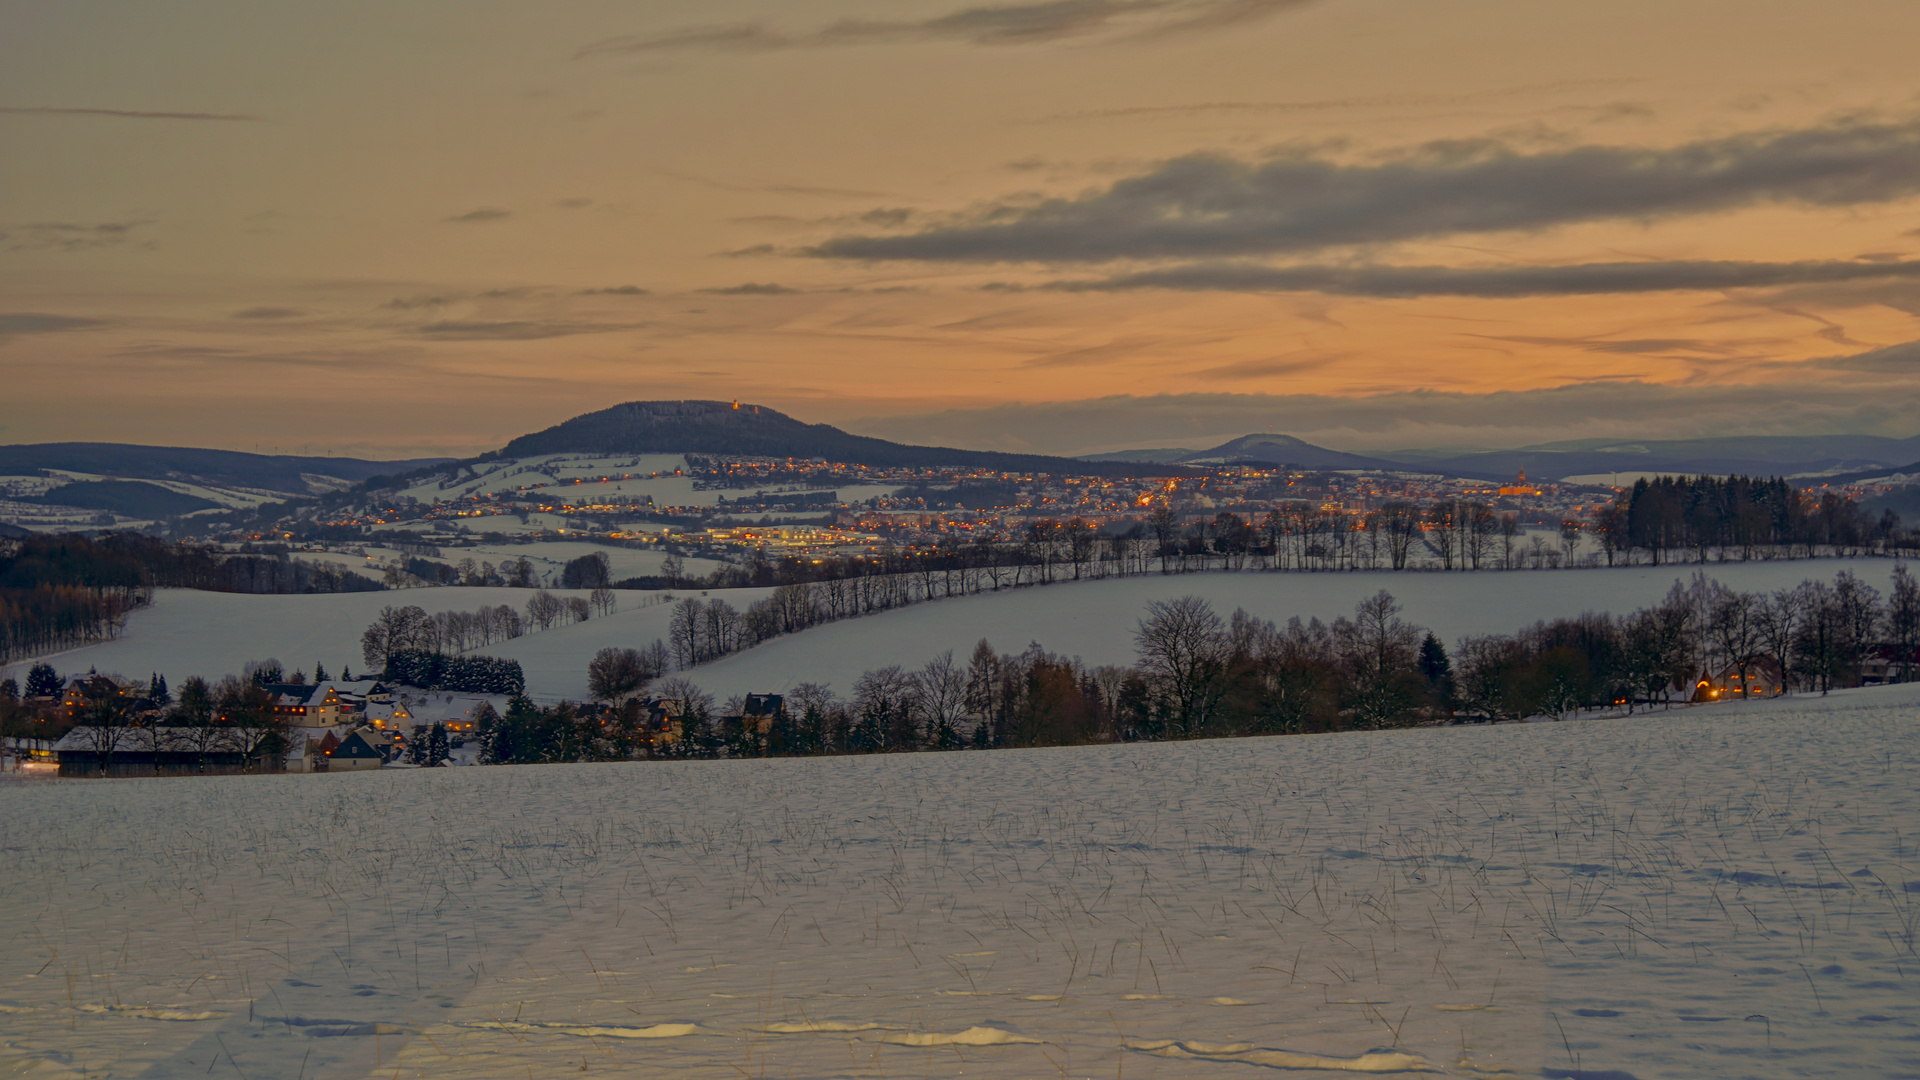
[[1269, 449], [279, 473], [719, 427]]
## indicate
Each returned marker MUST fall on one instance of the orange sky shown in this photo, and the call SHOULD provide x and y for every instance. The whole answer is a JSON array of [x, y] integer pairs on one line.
[[1070, 225]]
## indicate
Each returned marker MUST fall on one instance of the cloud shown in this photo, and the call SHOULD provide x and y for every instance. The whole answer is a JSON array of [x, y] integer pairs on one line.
[[269, 313], [410, 303], [485, 213], [753, 288], [615, 290], [1623, 409], [13, 324], [1008, 24], [1209, 206], [1499, 282], [572, 204], [512, 330], [1902, 359], [67, 235], [130, 114]]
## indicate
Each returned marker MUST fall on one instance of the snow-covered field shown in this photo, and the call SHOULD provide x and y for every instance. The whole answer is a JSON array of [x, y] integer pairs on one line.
[[1725, 891], [211, 634], [1095, 620]]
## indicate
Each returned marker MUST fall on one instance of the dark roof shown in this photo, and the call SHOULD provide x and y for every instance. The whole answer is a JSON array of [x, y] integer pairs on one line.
[[353, 746]]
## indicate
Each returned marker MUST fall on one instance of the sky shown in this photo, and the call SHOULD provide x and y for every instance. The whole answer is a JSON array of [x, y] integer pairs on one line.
[[1066, 226]]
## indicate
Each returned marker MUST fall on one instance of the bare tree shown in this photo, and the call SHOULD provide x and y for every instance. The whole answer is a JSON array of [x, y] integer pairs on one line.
[[617, 674], [1903, 619], [1737, 629], [1183, 649], [942, 689]]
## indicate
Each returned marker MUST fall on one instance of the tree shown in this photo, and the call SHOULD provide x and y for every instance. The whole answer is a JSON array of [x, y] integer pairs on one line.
[[107, 727], [589, 571], [157, 691], [1737, 630], [1903, 620], [320, 674], [519, 574], [672, 569], [246, 708], [942, 691], [616, 674], [1183, 651], [194, 716], [1379, 651], [1437, 669], [42, 681], [397, 629]]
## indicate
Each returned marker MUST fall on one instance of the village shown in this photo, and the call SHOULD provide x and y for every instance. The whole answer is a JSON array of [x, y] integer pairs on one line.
[[100, 725]]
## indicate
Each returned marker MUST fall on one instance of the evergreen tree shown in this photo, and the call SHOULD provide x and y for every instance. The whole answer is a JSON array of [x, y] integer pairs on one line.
[[157, 691], [436, 746], [320, 673], [9, 690], [42, 681], [1437, 669]]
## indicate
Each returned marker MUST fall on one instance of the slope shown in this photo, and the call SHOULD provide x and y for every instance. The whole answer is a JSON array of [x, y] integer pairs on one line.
[[719, 427]]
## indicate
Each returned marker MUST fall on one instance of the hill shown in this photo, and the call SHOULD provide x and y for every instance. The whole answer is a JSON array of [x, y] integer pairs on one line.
[[1770, 455], [284, 474], [719, 427], [1269, 449]]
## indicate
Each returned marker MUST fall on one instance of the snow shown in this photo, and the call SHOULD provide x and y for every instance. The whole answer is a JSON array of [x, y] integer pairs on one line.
[[1716, 891], [1095, 620], [187, 632]]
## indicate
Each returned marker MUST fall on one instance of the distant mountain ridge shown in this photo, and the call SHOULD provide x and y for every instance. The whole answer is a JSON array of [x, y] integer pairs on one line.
[[745, 430], [281, 473], [1844, 457]]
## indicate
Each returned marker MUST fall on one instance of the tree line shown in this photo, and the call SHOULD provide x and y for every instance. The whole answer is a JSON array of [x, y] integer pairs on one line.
[[1199, 675]]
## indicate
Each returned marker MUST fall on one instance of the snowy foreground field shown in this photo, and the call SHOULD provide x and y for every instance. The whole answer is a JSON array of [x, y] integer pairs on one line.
[[1727, 891], [213, 634]]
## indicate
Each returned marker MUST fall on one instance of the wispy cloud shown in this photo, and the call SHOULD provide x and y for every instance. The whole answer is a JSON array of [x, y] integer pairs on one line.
[[13, 324], [1209, 206], [67, 235], [752, 288], [513, 329], [615, 290], [127, 114], [483, 214], [1008, 24], [269, 313], [1616, 408], [1499, 282]]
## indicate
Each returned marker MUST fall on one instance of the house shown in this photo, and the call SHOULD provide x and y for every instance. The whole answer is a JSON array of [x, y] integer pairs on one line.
[[317, 705], [356, 751], [1883, 664], [155, 751], [759, 711], [82, 691], [1762, 679]]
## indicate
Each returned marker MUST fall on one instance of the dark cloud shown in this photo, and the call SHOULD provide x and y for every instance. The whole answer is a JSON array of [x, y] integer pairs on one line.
[[1612, 408], [411, 303], [1009, 24], [615, 290], [131, 114], [16, 323], [1503, 282], [68, 235], [1207, 206], [269, 313], [752, 288], [749, 251], [483, 214], [573, 204], [512, 330], [1902, 359]]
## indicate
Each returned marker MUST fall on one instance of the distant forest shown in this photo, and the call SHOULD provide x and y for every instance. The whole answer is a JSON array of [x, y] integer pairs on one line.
[[58, 592]]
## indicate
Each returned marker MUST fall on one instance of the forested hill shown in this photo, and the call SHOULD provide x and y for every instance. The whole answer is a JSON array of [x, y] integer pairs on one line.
[[719, 427], [224, 468]]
